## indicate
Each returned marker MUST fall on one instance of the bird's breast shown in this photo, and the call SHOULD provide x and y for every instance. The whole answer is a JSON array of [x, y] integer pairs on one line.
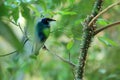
[[42, 31]]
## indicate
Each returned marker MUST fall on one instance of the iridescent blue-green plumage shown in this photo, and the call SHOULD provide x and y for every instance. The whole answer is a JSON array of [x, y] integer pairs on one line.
[[42, 31]]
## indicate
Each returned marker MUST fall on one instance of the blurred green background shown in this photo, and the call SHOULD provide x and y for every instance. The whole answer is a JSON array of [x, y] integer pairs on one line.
[[103, 61]]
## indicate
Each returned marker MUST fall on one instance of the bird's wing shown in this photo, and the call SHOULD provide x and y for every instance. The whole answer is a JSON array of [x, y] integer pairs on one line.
[[37, 46]]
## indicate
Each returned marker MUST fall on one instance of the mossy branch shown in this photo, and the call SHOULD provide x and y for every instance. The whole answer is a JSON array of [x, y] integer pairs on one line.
[[86, 39]]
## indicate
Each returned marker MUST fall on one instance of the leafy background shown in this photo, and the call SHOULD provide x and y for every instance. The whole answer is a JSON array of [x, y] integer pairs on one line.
[[103, 58]]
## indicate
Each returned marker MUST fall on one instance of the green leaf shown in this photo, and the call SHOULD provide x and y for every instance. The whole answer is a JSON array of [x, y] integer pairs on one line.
[[3, 10], [107, 41], [70, 44], [71, 1], [66, 13], [33, 8], [25, 11], [78, 22], [7, 33], [102, 22], [42, 4], [15, 14]]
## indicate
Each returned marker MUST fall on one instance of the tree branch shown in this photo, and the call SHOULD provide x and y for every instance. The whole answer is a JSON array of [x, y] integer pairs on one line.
[[64, 60], [13, 51], [8, 54], [103, 11], [87, 39], [106, 27]]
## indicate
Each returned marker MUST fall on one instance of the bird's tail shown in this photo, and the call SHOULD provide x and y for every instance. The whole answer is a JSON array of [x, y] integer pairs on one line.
[[37, 47]]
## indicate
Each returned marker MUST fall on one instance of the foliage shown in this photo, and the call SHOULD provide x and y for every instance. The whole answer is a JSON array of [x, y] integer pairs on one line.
[[64, 40]]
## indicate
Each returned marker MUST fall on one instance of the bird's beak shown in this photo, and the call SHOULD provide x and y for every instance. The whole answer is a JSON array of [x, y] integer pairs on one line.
[[52, 20]]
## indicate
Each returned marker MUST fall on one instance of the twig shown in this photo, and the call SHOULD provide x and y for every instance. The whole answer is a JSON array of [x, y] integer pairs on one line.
[[13, 22], [8, 54], [24, 40], [108, 26], [64, 60], [17, 25], [103, 11], [14, 51], [20, 28]]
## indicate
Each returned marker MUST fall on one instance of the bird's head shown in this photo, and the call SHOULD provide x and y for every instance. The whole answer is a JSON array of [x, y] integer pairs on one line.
[[47, 20]]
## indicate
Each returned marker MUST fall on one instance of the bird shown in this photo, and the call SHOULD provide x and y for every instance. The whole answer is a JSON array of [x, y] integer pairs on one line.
[[42, 31]]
